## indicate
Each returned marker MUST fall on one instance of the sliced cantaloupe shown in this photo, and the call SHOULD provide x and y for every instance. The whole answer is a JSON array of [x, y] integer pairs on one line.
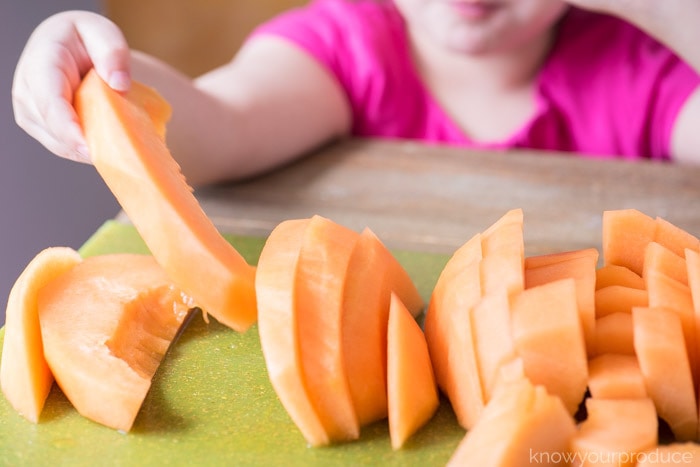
[[612, 274], [86, 316], [616, 431], [413, 394], [660, 259], [626, 233], [675, 238], [613, 376], [692, 259], [25, 376], [493, 342], [449, 335], [277, 324], [503, 254], [130, 154], [660, 346], [619, 298], [521, 425], [322, 271], [614, 334], [579, 265], [548, 337]]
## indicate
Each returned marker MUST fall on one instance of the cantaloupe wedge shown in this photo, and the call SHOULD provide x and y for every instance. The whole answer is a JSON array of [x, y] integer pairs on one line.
[[413, 393], [322, 272], [130, 154], [25, 376], [671, 455], [675, 238], [626, 233], [619, 298], [612, 274], [87, 313], [614, 334], [521, 425], [503, 254], [692, 259], [278, 321], [660, 347], [612, 376], [579, 265], [616, 431], [660, 259], [548, 337]]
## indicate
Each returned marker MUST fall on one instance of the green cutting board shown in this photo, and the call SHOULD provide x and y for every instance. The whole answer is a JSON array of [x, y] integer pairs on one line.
[[211, 402]]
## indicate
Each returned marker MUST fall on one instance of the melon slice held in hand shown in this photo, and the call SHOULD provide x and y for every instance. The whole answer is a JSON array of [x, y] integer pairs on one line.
[[125, 137], [106, 325], [24, 374]]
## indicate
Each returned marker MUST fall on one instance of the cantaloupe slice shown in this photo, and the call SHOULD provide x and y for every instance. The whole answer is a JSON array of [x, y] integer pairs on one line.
[[612, 274], [619, 298], [613, 376], [614, 334], [664, 261], [413, 395], [521, 425], [579, 265], [660, 346], [548, 337], [277, 324], [675, 238], [86, 314], [130, 154], [503, 255], [616, 431], [449, 335], [626, 233], [493, 342], [25, 376], [692, 259], [671, 455], [322, 272]]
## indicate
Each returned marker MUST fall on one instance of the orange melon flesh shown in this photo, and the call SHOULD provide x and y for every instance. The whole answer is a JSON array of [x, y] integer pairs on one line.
[[277, 324], [612, 274], [579, 265], [626, 233], [662, 260], [693, 264], [25, 376], [86, 312], [612, 376], [364, 327], [616, 431], [521, 425], [614, 334], [659, 345], [493, 342], [413, 395], [130, 154], [674, 238], [671, 455], [322, 271], [619, 298], [503, 254], [548, 337]]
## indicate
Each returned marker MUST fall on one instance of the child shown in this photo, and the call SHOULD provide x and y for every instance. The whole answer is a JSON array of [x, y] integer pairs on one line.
[[575, 76]]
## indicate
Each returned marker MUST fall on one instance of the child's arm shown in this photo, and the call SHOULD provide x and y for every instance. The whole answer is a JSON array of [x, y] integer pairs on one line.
[[676, 23], [270, 104]]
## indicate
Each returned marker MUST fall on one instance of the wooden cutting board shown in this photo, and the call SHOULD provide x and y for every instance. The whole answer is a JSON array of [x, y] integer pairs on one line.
[[211, 402]]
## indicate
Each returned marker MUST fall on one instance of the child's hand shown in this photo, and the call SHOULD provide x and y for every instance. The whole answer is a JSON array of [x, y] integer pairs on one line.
[[59, 52]]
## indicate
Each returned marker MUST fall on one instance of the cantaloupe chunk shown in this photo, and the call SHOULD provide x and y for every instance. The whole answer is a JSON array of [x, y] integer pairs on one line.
[[277, 324], [521, 425], [671, 455], [413, 395], [25, 376], [322, 271], [612, 376], [616, 431], [493, 341], [130, 154], [503, 254], [548, 337], [692, 259], [614, 334], [662, 260], [612, 274], [85, 315], [626, 233], [449, 335], [660, 348], [675, 238], [619, 298], [579, 265]]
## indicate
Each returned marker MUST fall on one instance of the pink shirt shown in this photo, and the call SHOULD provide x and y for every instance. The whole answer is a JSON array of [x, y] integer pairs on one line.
[[606, 89]]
